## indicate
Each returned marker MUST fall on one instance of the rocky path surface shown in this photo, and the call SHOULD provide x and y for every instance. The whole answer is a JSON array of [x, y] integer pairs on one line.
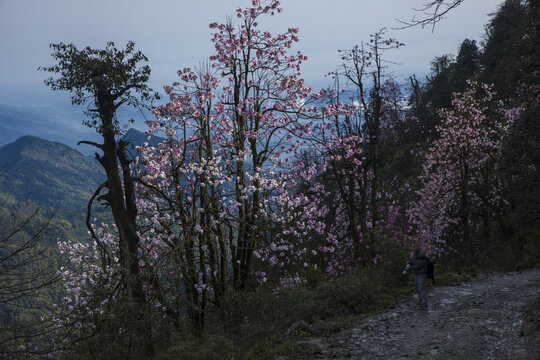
[[497, 317]]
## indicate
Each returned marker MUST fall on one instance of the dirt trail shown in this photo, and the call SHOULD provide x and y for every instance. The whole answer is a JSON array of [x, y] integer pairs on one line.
[[497, 317]]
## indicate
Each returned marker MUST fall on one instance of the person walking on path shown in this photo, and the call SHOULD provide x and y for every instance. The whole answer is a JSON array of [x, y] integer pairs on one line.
[[418, 264]]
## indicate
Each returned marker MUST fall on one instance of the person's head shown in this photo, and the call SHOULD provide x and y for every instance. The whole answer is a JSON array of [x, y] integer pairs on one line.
[[415, 247]]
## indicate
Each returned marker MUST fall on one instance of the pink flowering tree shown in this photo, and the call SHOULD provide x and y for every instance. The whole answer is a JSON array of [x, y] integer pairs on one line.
[[339, 215], [331, 227], [209, 195], [263, 97], [92, 280], [325, 216], [319, 236], [459, 188], [350, 138]]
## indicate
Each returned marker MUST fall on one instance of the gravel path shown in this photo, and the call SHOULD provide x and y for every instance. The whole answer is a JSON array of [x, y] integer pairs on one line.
[[497, 317]]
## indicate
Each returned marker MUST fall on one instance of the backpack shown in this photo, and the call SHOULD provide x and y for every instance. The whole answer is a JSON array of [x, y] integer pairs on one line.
[[430, 274]]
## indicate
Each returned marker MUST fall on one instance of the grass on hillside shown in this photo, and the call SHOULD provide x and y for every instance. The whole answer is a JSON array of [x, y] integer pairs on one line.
[[254, 325]]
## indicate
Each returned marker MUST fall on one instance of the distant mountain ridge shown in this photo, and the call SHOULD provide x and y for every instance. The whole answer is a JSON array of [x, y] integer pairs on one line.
[[56, 123], [62, 126]]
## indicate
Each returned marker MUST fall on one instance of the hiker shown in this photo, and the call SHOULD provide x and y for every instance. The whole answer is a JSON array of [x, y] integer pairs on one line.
[[419, 264]]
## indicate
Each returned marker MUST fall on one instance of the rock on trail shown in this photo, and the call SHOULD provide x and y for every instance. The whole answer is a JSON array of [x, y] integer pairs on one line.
[[497, 317]]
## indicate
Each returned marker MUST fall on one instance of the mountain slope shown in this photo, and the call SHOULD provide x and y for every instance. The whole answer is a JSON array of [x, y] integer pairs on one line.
[[48, 173], [137, 138]]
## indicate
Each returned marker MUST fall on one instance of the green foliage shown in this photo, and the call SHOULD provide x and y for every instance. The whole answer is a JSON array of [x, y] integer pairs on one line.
[[504, 48], [28, 273], [277, 346], [50, 174], [209, 347], [106, 75], [118, 334], [253, 325], [467, 64], [511, 59]]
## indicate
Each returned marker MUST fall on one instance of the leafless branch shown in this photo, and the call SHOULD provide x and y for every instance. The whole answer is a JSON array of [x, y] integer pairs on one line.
[[432, 12]]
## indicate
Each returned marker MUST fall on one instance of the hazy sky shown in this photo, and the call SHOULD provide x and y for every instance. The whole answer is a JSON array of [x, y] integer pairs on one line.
[[174, 33]]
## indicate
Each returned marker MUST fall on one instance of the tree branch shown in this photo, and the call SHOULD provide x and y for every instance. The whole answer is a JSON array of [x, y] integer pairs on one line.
[[99, 146], [434, 10]]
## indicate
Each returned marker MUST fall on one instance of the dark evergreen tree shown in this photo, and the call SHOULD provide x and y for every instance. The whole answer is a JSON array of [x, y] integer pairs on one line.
[[105, 79], [467, 64], [511, 61], [503, 49]]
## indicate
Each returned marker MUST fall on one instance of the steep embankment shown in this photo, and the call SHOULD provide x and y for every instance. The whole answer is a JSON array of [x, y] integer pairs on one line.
[[493, 318]]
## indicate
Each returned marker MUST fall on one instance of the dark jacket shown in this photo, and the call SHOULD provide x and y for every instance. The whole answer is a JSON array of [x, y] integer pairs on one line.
[[419, 263]]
